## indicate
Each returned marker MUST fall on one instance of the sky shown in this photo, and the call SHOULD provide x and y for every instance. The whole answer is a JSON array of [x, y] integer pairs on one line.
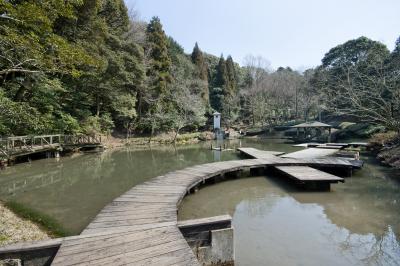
[[294, 33]]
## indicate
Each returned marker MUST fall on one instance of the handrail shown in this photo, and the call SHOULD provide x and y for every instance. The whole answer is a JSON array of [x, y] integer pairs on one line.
[[11, 144]]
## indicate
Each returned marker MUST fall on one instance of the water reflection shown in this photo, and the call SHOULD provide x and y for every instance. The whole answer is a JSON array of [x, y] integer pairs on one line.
[[277, 225], [357, 223], [74, 189]]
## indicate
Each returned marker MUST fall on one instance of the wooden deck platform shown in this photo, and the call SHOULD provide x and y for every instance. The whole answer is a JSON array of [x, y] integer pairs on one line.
[[259, 154], [338, 145], [140, 227], [303, 174], [311, 153]]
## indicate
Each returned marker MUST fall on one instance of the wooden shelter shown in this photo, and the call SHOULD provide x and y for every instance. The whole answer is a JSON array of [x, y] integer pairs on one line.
[[312, 131]]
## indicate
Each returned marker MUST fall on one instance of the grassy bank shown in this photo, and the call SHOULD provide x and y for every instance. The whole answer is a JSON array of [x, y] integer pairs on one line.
[[161, 139], [14, 228], [44, 222]]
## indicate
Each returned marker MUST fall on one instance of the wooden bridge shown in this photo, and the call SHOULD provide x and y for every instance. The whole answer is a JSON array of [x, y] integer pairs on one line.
[[140, 227], [12, 147]]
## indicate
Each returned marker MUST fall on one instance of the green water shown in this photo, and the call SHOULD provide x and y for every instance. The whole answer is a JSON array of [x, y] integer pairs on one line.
[[74, 189], [357, 223]]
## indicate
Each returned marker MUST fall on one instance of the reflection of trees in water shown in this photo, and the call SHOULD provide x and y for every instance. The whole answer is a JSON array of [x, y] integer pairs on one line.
[[368, 249], [63, 173], [249, 195], [13, 187]]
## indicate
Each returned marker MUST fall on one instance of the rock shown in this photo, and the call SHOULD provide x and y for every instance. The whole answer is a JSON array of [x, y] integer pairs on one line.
[[206, 135], [232, 134]]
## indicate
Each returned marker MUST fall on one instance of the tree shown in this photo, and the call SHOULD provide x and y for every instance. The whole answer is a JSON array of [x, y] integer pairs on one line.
[[221, 82], [357, 80], [160, 62], [254, 98], [158, 74], [231, 77], [126, 113], [202, 69]]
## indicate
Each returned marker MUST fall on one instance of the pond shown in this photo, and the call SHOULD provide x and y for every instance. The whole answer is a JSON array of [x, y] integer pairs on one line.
[[358, 222]]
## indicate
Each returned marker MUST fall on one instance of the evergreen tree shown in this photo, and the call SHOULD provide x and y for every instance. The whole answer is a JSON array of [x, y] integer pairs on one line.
[[203, 73], [221, 84], [159, 69], [221, 76], [231, 76], [159, 76]]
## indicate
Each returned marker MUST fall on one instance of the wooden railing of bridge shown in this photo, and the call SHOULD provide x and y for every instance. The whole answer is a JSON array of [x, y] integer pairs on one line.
[[22, 144]]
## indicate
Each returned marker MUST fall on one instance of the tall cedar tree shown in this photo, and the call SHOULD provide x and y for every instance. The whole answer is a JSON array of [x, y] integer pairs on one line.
[[221, 83], [159, 70], [231, 75], [221, 77], [198, 60]]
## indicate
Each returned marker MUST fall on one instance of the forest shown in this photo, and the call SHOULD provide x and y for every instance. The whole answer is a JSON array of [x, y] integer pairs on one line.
[[92, 66]]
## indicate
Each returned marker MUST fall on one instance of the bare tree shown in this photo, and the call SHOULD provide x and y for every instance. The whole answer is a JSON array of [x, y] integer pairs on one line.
[[371, 98]]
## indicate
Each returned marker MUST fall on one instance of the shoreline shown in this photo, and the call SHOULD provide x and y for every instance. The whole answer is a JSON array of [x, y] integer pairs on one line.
[[14, 228], [27, 224]]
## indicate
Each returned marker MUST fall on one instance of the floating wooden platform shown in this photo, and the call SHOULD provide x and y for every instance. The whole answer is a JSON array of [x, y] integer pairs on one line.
[[303, 174], [338, 145], [259, 154], [311, 153]]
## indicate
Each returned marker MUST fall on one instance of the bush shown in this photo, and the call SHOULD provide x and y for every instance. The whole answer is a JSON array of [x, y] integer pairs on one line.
[[382, 139], [18, 118], [67, 124], [98, 125]]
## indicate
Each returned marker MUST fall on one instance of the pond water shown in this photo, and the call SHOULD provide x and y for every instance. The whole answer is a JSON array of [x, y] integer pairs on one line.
[[358, 222]]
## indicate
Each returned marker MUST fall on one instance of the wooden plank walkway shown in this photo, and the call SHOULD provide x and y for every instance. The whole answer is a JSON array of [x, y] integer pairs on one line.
[[313, 161], [259, 154], [305, 174], [311, 153], [140, 227]]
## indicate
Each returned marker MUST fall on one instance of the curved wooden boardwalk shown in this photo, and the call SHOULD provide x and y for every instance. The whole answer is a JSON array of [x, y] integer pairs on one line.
[[140, 226]]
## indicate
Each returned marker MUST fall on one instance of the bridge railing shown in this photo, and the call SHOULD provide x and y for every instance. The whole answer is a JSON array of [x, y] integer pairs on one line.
[[10, 145], [29, 142], [81, 139]]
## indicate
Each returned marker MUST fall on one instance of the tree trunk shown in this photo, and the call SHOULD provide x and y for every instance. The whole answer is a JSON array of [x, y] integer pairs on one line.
[[176, 134], [97, 106]]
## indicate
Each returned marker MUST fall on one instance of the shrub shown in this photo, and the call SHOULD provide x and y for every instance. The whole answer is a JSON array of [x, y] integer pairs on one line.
[[98, 125]]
